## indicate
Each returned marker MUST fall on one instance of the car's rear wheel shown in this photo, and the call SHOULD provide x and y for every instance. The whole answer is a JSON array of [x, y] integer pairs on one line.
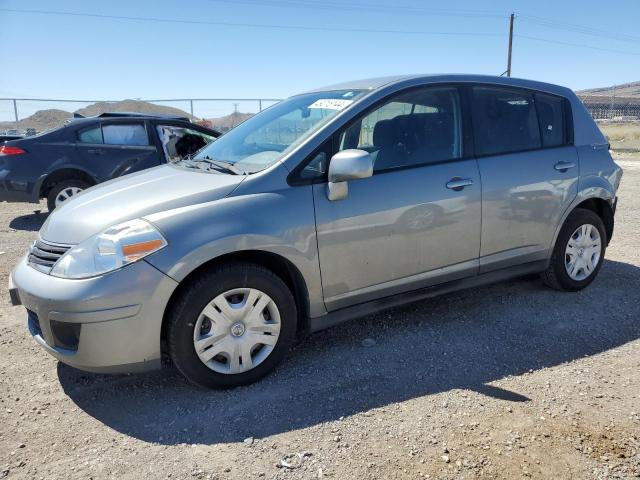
[[231, 326], [63, 191], [578, 253]]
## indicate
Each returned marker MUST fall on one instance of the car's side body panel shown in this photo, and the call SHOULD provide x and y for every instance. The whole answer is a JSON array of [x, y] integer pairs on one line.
[[397, 231], [523, 199]]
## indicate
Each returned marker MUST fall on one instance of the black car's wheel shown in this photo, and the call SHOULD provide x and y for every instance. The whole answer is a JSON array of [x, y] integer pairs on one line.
[[578, 253], [231, 325], [63, 191]]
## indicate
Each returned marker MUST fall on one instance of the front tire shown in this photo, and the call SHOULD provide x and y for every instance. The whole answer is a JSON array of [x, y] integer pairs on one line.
[[231, 325], [578, 253]]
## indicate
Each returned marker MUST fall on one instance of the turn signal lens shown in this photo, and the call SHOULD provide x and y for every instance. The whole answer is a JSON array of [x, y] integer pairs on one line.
[[136, 251]]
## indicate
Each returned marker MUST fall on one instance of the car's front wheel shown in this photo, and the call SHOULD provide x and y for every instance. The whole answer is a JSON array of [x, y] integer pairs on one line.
[[231, 326], [578, 253]]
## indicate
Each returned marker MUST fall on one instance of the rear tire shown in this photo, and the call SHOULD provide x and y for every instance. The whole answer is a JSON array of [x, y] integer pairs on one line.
[[245, 312], [578, 253], [63, 191]]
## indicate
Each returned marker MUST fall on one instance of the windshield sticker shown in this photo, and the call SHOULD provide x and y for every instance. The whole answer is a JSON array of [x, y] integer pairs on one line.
[[331, 103]]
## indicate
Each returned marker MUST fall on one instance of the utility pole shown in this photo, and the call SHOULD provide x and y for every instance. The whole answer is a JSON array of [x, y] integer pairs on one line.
[[613, 100], [15, 113], [510, 44], [235, 114]]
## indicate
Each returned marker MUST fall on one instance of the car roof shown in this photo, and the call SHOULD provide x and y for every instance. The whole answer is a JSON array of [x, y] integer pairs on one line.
[[380, 82], [80, 121], [134, 115]]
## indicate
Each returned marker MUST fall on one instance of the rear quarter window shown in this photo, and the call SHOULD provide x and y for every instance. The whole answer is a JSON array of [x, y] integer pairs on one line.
[[90, 135], [551, 117]]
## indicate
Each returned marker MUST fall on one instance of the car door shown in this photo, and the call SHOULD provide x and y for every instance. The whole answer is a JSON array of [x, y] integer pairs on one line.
[[416, 221], [114, 148], [529, 172]]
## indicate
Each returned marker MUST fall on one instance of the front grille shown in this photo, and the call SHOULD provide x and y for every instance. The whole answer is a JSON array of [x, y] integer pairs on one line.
[[44, 255]]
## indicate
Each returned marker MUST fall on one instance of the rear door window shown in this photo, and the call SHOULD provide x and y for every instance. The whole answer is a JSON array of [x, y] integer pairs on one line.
[[551, 120], [125, 134], [504, 121]]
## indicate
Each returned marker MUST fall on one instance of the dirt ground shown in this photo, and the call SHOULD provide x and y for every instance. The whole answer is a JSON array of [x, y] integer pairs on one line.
[[512, 380]]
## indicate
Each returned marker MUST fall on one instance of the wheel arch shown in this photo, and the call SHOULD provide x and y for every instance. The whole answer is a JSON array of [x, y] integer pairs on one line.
[[52, 178], [279, 265], [600, 206], [603, 209]]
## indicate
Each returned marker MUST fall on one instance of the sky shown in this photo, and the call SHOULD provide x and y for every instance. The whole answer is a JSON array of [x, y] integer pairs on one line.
[[276, 48]]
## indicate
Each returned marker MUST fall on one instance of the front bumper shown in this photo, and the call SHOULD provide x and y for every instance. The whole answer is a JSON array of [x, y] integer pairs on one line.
[[107, 324]]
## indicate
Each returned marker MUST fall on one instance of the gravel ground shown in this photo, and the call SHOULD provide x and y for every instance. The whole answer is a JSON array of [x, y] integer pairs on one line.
[[508, 381]]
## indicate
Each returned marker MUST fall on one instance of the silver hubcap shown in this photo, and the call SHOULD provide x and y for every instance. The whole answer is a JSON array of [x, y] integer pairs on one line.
[[237, 330], [66, 194], [583, 252]]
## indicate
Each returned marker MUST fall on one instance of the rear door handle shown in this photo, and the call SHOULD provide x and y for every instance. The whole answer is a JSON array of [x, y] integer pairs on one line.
[[458, 183], [96, 151], [564, 166]]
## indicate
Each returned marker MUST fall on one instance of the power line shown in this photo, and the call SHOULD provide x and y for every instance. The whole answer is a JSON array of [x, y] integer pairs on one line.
[[318, 28], [368, 7], [577, 45], [413, 10], [582, 29], [250, 25]]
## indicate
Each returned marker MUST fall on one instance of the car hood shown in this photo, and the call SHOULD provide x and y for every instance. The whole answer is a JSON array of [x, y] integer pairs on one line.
[[134, 196]]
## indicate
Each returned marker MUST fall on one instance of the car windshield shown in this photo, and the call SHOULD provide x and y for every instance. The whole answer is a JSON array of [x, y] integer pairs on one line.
[[268, 136]]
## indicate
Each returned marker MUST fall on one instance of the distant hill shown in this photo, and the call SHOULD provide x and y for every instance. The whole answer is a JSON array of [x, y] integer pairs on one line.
[[47, 119], [227, 122], [41, 120], [625, 90], [130, 106]]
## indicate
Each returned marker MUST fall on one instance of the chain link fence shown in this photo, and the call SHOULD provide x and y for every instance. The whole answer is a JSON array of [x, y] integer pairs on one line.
[[610, 107], [617, 116], [30, 116]]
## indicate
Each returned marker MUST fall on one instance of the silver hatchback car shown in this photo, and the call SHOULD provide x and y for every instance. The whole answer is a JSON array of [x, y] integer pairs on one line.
[[329, 205]]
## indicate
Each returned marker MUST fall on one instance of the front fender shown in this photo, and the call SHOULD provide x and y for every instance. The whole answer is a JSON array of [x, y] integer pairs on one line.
[[280, 223]]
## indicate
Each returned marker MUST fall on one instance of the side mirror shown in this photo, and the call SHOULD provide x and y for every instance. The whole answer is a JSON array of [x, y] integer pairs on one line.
[[351, 164]]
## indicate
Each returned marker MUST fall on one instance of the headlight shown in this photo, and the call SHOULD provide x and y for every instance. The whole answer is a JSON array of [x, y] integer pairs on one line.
[[112, 249]]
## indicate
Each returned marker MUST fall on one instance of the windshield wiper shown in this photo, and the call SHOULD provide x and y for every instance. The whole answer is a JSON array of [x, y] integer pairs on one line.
[[187, 162], [221, 165]]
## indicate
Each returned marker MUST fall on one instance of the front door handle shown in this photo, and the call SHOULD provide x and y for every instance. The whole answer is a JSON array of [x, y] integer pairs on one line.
[[564, 166], [458, 183]]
